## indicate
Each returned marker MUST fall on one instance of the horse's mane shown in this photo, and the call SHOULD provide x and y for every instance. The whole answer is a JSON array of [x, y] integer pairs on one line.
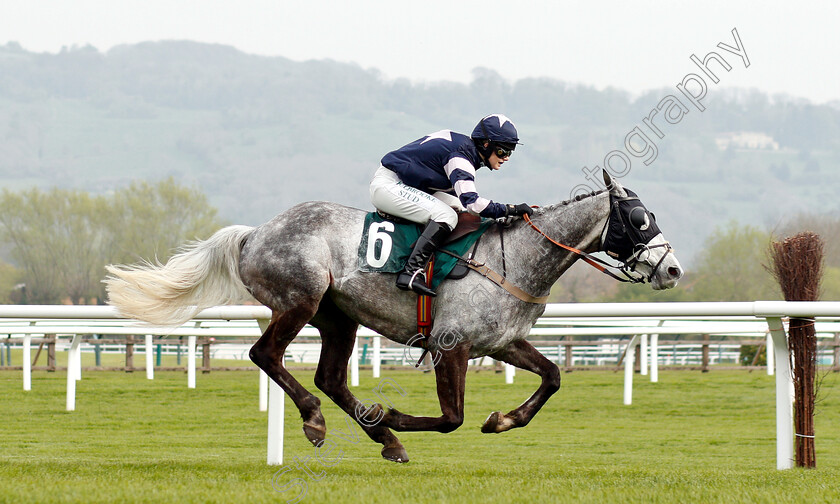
[[568, 202]]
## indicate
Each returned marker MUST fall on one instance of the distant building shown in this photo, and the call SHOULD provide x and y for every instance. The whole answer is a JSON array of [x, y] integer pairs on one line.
[[750, 140]]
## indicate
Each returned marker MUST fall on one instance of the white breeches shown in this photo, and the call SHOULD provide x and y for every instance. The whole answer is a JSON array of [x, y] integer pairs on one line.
[[389, 194]]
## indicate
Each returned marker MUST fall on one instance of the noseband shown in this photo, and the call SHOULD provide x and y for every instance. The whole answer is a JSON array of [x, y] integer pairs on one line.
[[628, 267]]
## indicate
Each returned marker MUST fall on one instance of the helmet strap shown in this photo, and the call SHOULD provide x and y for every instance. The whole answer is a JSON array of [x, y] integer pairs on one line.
[[485, 151]]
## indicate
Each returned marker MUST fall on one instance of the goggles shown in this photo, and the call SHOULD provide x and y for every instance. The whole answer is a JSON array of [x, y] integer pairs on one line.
[[502, 151]]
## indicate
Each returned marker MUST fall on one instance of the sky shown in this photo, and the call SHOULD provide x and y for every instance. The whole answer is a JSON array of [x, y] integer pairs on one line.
[[636, 46]]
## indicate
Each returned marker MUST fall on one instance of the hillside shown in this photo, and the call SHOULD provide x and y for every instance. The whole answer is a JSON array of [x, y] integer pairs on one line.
[[260, 134]]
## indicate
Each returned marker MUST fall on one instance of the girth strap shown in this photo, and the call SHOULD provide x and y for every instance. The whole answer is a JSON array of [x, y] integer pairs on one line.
[[499, 280]]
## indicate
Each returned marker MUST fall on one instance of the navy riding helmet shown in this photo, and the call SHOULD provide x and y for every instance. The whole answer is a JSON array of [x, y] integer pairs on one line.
[[499, 130]]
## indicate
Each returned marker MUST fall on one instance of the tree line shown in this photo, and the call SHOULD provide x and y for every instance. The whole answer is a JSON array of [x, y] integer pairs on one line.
[[60, 240]]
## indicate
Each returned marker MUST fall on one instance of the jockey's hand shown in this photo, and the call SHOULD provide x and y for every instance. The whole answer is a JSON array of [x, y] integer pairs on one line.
[[519, 210]]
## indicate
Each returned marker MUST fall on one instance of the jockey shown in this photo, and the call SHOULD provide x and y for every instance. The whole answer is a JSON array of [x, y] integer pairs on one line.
[[430, 179]]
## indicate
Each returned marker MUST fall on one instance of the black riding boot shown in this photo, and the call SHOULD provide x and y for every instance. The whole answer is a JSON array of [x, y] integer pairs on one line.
[[413, 276]]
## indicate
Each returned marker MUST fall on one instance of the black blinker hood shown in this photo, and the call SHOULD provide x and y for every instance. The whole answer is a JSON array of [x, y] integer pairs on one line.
[[625, 234]]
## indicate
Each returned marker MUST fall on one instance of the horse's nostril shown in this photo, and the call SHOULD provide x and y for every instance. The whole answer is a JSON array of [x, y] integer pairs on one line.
[[674, 272]]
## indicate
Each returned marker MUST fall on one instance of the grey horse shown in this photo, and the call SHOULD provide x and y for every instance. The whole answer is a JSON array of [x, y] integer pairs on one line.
[[303, 265]]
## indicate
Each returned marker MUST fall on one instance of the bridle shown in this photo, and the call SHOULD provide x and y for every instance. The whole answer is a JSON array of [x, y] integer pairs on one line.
[[627, 266], [595, 262]]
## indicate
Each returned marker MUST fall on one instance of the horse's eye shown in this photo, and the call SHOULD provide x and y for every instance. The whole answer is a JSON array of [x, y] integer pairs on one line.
[[639, 218]]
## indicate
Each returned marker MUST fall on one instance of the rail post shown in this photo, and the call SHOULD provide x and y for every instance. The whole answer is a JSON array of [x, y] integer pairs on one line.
[[205, 356], [354, 364], [629, 364], [784, 395], [73, 371], [771, 355], [263, 385], [27, 362], [377, 355], [77, 354], [276, 412], [129, 354], [637, 359], [150, 366], [654, 358], [191, 361], [51, 366], [569, 357]]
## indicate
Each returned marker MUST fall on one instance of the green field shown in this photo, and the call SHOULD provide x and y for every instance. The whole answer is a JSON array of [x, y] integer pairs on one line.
[[690, 438]]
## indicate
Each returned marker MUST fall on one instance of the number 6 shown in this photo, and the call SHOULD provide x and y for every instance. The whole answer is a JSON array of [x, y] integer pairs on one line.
[[376, 233]]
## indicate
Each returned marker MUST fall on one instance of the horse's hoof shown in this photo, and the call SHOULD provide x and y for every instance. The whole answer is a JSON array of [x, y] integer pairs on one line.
[[395, 454], [492, 422], [315, 433], [497, 422]]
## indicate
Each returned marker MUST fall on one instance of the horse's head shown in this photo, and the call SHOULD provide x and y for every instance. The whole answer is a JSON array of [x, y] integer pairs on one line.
[[633, 237]]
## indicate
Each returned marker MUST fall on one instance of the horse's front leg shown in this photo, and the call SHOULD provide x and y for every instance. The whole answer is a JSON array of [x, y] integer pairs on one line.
[[450, 375], [523, 355]]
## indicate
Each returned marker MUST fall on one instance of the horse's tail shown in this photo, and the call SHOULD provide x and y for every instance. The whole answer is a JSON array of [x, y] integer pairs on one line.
[[202, 274]]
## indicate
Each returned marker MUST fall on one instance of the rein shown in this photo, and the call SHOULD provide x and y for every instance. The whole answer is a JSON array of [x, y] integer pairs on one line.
[[628, 266], [593, 261], [603, 266]]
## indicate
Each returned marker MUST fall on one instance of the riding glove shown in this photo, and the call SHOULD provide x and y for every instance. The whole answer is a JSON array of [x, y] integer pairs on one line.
[[518, 210]]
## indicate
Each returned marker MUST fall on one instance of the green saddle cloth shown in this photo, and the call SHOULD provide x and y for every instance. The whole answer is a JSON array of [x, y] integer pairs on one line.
[[386, 245]]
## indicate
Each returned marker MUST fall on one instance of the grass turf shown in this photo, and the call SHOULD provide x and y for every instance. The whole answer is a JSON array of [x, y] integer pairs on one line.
[[692, 437]]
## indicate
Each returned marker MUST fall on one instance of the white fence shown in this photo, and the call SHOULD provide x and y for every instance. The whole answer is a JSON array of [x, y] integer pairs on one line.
[[639, 320]]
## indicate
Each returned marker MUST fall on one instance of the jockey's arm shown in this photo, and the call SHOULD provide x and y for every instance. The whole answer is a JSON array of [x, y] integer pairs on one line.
[[462, 176]]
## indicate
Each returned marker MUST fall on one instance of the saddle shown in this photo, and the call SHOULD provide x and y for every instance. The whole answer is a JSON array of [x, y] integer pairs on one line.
[[467, 223]]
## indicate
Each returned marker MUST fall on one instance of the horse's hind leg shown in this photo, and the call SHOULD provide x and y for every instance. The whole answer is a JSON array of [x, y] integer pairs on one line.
[[338, 335], [450, 376], [523, 355], [267, 354]]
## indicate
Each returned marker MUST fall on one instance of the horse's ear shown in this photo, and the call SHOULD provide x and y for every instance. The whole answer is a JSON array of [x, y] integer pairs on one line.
[[607, 179], [613, 186]]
